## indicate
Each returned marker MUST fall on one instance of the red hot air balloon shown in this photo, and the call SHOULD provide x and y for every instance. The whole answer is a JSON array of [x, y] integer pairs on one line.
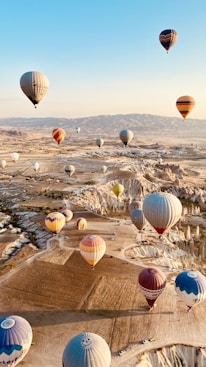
[[152, 282]]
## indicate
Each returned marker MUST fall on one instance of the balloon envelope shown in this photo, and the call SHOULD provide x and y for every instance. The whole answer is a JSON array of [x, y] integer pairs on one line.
[[15, 339], [55, 221], [162, 210], [99, 142], [69, 169], [14, 157], [35, 85], [126, 136], [78, 129], [35, 166], [117, 189], [152, 282], [185, 104], [191, 287], [59, 135], [167, 38], [2, 163], [68, 215], [138, 219], [104, 169], [92, 249], [86, 350]]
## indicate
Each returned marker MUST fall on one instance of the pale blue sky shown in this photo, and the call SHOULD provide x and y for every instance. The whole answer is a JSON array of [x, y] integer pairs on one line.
[[103, 56]]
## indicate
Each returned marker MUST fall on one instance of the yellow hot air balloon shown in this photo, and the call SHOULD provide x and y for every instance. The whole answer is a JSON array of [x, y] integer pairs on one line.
[[59, 135], [117, 189], [92, 249], [185, 104], [55, 221], [34, 85]]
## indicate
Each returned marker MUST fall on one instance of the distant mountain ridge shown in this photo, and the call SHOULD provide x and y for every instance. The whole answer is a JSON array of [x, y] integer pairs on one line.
[[142, 124]]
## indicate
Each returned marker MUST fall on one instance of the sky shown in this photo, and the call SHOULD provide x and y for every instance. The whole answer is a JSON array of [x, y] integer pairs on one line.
[[103, 57]]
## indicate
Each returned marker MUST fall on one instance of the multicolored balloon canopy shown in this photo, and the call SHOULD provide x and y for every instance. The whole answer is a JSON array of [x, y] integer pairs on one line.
[[152, 282], [167, 38], [15, 339], [86, 350], [59, 135], [92, 248], [185, 105], [55, 221]]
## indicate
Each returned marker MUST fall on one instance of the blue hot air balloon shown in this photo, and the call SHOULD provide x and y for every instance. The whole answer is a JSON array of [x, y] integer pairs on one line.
[[190, 286], [15, 340], [86, 350]]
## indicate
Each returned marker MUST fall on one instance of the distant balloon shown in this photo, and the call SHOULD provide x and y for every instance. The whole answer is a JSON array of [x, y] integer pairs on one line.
[[69, 169], [68, 215], [138, 219], [104, 169], [99, 142], [78, 130], [86, 350], [191, 287], [55, 221], [152, 282], [14, 157], [185, 104], [81, 224], [167, 38], [2, 163], [92, 249], [35, 166], [59, 135], [34, 85], [126, 136], [135, 204], [162, 210], [118, 189], [15, 340]]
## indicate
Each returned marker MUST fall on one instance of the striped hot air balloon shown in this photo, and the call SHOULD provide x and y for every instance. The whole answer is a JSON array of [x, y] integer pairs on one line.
[[190, 286], [126, 136], [92, 249], [167, 38], [86, 350], [185, 104], [34, 85], [152, 282], [55, 221], [59, 135], [15, 340], [162, 210]]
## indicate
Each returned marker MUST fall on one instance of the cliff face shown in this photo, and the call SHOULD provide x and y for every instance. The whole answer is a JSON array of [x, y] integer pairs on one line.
[[174, 356]]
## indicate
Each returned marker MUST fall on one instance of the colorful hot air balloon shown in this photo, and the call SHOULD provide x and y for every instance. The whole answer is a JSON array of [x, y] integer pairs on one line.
[[14, 157], [152, 282], [15, 340], [68, 215], [69, 169], [162, 210], [2, 163], [55, 221], [99, 142], [126, 136], [34, 85], [190, 286], [117, 189], [167, 38], [138, 219], [92, 249], [86, 350], [35, 166], [185, 104], [59, 135]]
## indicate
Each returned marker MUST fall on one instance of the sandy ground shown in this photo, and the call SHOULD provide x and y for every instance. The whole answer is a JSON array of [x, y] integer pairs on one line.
[[54, 288]]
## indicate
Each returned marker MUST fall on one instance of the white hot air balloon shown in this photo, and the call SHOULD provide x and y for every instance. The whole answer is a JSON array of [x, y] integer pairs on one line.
[[34, 85], [126, 136], [2, 163], [35, 166], [99, 142], [14, 157], [162, 210]]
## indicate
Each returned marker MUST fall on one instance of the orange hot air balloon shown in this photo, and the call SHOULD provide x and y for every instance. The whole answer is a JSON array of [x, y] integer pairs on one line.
[[92, 249], [152, 282], [55, 221], [59, 135], [185, 104]]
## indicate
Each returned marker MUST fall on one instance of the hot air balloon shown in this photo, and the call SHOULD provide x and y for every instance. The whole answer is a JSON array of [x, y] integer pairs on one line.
[[104, 169], [78, 130], [81, 224], [99, 142], [191, 287], [14, 157], [35, 166], [86, 350], [152, 282], [135, 204], [117, 189], [138, 219], [167, 38], [15, 339], [92, 249], [185, 104], [34, 85], [55, 221], [2, 163], [69, 169], [68, 215], [162, 210], [59, 135], [126, 136]]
